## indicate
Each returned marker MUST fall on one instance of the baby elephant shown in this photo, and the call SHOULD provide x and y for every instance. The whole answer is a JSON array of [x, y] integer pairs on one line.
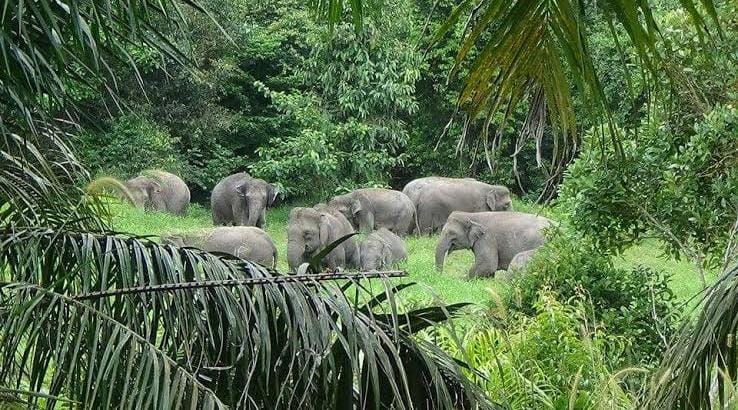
[[381, 249], [522, 259], [245, 242], [494, 237]]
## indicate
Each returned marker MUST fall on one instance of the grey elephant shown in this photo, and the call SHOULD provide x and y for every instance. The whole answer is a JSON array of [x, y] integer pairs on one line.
[[413, 188], [309, 231], [350, 246], [245, 242], [437, 200], [494, 237], [380, 249], [522, 259], [240, 199], [159, 191], [373, 208]]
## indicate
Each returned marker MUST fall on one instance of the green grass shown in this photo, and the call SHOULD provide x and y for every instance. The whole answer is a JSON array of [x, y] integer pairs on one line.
[[450, 286]]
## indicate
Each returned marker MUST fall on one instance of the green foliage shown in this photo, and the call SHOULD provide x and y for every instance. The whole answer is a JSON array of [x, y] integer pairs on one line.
[[678, 187], [556, 358], [349, 131], [635, 305], [130, 145]]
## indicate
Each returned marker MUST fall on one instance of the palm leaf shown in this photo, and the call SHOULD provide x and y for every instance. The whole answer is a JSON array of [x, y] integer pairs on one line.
[[703, 358], [275, 343], [519, 50]]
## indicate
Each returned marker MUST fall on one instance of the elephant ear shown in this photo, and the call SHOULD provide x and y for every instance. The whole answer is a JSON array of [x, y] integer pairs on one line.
[[386, 254], [357, 205], [324, 229], [476, 231], [492, 200], [272, 193]]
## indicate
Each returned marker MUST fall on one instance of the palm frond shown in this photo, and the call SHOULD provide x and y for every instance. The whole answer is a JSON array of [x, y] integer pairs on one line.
[[703, 359], [49, 47], [276, 343], [38, 183], [512, 51]]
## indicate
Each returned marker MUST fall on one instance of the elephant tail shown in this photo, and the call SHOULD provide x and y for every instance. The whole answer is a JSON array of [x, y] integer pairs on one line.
[[274, 255], [415, 220], [101, 185]]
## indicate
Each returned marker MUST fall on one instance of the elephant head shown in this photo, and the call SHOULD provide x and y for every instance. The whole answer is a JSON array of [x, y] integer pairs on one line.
[[498, 199], [146, 193], [459, 232], [375, 254], [307, 232], [356, 209], [255, 196]]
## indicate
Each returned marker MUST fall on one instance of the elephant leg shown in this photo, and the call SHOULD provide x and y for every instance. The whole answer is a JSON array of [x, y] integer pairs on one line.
[[262, 219], [240, 214], [485, 260]]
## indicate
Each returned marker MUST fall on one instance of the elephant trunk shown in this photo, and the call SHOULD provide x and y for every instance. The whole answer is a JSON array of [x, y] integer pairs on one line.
[[255, 208], [294, 255], [441, 250]]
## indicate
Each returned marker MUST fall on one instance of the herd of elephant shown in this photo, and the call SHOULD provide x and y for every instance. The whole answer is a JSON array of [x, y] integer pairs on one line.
[[469, 214]]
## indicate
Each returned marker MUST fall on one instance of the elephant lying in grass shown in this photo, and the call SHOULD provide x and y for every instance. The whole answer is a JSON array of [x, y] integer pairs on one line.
[[245, 242], [494, 237], [153, 190], [381, 249]]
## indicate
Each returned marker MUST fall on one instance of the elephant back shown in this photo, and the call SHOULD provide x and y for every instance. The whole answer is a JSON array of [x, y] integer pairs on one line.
[[175, 191]]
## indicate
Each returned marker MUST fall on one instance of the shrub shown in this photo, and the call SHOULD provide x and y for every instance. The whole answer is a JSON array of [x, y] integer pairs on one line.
[[131, 144], [635, 303], [678, 187], [555, 358]]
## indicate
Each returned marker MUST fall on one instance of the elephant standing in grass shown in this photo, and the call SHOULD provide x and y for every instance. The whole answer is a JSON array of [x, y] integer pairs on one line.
[[437, 200], [380, 249], [350, 247], [373, 208], [245, 242], [242, 200], [416, 186], [159, 191], [494, 237], [309, 231]]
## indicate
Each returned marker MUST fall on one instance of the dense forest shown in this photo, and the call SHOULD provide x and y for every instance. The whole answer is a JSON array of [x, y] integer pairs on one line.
[[576, 246]]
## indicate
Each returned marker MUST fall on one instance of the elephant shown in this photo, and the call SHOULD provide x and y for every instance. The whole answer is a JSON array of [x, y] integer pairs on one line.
[[437, 200], [239, 199], [351, 248], [413, 188], [521, 259], [373, 208], [245, 242], [309, 231], [494, 237], [159, 191], [380, 249]]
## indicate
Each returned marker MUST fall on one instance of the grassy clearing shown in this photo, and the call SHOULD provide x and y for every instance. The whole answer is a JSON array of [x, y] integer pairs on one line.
[[451, 286]]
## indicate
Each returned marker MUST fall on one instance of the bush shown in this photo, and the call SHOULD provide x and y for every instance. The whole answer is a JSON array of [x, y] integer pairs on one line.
[[635, 303], [678, 187], [555, 358], [130, 145]]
